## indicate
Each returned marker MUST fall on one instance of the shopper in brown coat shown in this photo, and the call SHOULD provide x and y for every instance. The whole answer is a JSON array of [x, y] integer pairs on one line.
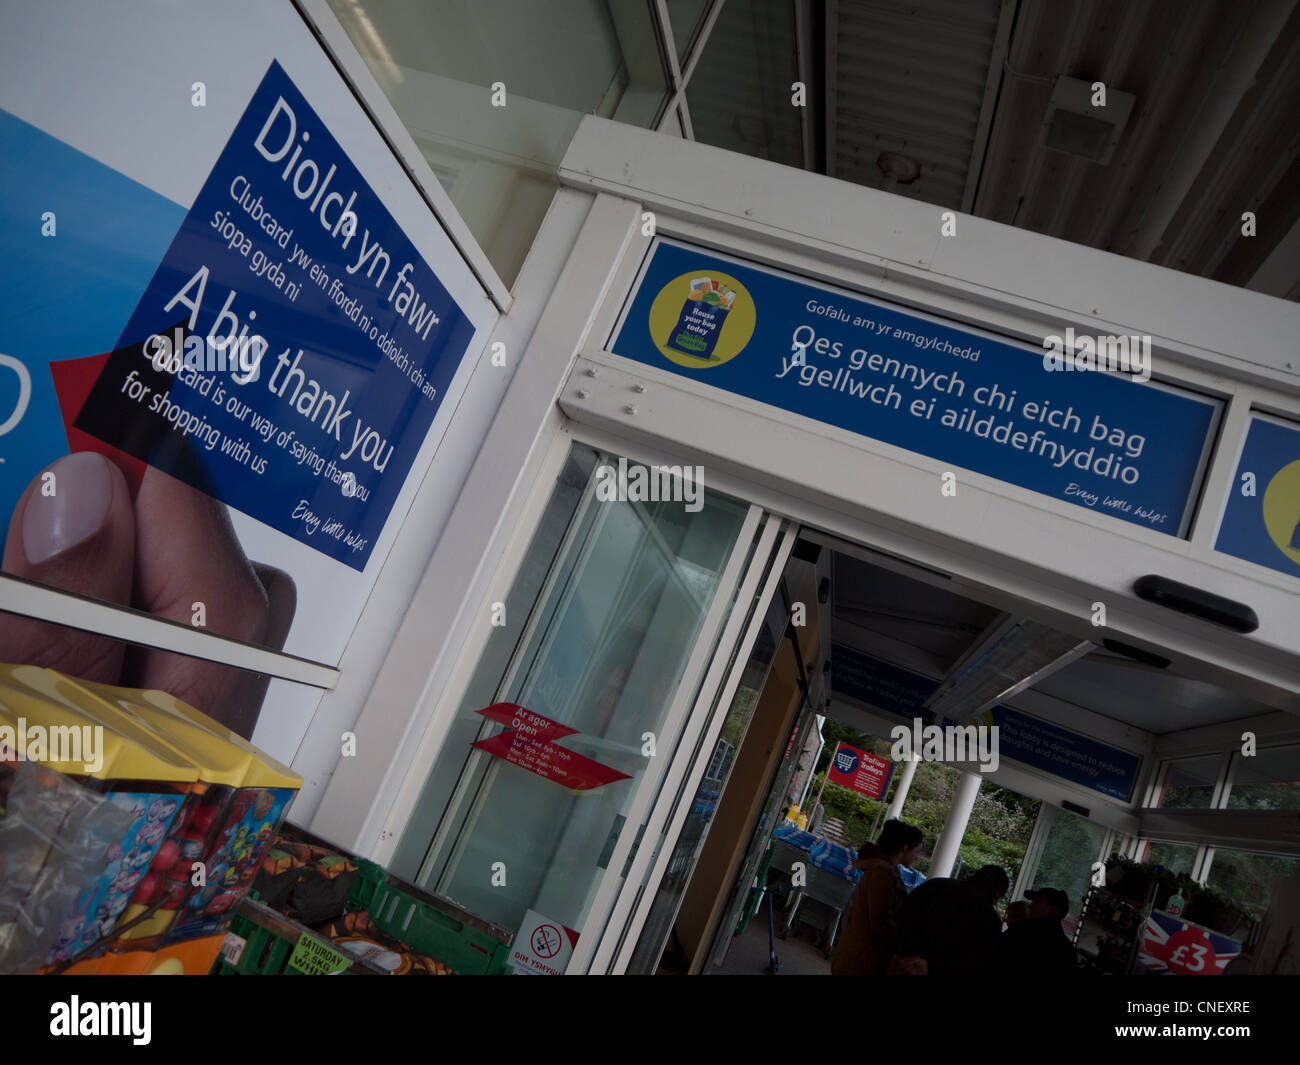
[[870, 934]]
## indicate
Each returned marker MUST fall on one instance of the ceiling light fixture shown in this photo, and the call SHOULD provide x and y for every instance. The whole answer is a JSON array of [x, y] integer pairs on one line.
[[1075, 126], [1012, 655]]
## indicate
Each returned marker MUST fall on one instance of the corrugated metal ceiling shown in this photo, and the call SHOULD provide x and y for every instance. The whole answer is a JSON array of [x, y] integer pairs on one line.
[[1213, 132], [910, 77], [963, 87]]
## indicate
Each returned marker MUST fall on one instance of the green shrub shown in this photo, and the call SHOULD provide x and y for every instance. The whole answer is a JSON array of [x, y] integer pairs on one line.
[[996, 835]]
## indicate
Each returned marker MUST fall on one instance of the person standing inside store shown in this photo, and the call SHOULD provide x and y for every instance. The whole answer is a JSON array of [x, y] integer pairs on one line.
[[1038, 944], [952, 926], [870, 933]]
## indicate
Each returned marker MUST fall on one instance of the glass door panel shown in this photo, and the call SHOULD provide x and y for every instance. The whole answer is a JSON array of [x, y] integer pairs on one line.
[[690, 841], [603, 645], [1069, 846]]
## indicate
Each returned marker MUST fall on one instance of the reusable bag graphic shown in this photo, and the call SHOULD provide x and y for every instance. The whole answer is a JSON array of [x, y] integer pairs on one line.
[[703, 315]]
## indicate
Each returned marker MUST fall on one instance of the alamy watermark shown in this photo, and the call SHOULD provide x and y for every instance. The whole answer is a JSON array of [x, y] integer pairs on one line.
[[634, 483], [946, 743], [1127, 355], [74, 744], [241, 355], [79, 1018]]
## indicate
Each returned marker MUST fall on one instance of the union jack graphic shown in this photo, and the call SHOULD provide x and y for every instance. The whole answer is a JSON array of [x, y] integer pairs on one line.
[[1171, 945]]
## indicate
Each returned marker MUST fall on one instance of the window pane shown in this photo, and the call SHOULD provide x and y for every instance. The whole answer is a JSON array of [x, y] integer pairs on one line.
[[1247, 879], [492, 91], [685, 17], [690, 841], [1189, 783], [1267, 780], [502, 644], [1176, 857], [1072, 844], [739, 94]]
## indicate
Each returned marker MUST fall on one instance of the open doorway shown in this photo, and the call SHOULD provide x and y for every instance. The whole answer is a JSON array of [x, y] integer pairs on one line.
[[858, 644]]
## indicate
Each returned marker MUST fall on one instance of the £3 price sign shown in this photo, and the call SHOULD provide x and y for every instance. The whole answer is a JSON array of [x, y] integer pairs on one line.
[[1172, 945]]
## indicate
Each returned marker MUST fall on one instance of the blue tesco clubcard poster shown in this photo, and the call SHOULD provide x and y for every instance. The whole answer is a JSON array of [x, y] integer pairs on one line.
[[1261, 521], [1128, 448], [340, 340], [232, 334]]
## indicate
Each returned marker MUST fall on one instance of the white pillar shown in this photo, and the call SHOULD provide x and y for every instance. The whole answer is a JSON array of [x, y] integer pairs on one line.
[[954, 828], [900, 794]]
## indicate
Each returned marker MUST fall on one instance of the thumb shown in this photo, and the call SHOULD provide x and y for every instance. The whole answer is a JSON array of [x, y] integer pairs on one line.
[[188, 555], [74, 528]]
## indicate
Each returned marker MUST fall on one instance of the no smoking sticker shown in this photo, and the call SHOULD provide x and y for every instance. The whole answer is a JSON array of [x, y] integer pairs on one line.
[[542, 947], [547, 941]]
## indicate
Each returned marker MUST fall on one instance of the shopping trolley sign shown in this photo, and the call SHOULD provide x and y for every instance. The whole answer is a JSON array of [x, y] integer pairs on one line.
[[862, 771]]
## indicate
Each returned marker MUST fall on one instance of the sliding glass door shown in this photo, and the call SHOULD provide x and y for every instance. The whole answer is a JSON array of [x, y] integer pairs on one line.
[[565, 735]]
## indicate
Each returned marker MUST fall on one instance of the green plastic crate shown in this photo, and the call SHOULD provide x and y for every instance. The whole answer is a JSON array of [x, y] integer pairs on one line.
[[429, 924], [265, 952], [370, 877], [437, 928], [270, 939]]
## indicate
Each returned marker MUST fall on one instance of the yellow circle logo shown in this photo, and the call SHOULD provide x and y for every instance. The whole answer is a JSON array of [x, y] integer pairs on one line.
[[702, 319], [1281, 508]]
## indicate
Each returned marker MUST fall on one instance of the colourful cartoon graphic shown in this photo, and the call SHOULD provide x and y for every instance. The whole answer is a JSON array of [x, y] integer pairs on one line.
[[245, 834], [100, 907]]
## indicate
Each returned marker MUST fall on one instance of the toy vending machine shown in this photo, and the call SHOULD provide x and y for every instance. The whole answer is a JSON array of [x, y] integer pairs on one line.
[[177, 874], [203, 806], [56, 723], [241, 798], [233, 857]]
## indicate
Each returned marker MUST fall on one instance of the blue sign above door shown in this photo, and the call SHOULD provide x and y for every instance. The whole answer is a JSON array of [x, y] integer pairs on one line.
[[1261, 522], [1095, 439]]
